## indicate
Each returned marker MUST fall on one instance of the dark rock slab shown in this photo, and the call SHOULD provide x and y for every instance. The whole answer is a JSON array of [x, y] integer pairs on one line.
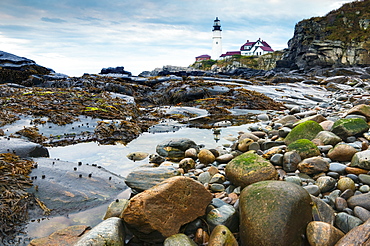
[[67, 187], [22, 148]]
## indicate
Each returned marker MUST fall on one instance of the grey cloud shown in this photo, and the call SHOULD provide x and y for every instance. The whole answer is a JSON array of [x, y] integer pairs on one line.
[[53, 20]]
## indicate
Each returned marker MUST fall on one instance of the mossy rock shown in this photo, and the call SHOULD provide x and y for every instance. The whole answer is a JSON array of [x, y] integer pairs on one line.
[[221, 235], [345, 128], [307, 130], [249, 168], [305, 148], [274, 213]]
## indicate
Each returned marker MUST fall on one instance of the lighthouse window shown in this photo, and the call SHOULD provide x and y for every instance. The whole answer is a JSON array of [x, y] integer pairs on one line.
[[216, 42]]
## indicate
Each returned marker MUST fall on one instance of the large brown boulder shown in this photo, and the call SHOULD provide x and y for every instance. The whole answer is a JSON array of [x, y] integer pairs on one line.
[[274, 213], [160, 211]]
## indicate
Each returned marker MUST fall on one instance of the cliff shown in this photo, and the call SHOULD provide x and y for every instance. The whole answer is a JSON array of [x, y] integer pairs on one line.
[[341, 38]]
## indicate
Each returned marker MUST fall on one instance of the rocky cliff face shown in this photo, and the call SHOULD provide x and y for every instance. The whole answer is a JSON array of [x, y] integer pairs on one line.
[[341, 38], [15, 69]]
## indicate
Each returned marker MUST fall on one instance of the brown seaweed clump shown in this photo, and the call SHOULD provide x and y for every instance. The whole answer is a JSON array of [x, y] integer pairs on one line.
[[14, 198]]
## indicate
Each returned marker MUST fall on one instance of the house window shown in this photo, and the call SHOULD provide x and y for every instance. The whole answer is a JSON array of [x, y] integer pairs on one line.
[[216, 42]]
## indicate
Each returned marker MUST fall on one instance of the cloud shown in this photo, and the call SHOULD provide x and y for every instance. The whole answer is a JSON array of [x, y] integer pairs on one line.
[[53, 20], [143, 34]]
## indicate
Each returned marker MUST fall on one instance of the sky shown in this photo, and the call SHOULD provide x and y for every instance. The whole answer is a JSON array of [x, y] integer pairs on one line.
[[74, 37]]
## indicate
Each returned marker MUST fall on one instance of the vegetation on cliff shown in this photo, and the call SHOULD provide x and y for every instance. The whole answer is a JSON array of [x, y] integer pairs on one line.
[[349, 23], [264, 62]]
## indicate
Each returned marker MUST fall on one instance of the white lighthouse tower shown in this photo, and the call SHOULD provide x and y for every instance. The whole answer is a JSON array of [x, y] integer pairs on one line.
[[217, 40]]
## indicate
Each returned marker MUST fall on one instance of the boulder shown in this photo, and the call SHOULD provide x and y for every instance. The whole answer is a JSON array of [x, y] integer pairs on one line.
[[66, 236], [22, 148], [145, 178], [313, 165], [342, 152], [174, 149], [322, 234], [221, 235], [345, 128], [274, 213], [328, 138], [306, 130], [160, 211], [305, 148], [361, 109], [179, 239], [249, 168], [358, 236], [108, 232], [361, 159]]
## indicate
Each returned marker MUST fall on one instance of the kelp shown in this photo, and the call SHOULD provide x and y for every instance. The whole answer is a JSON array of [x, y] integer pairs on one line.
[[14, 198]]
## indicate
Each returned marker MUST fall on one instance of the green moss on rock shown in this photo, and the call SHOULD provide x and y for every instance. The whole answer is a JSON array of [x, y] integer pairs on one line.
[[349, 127], [249, 168], [305, 148], [306, 130]]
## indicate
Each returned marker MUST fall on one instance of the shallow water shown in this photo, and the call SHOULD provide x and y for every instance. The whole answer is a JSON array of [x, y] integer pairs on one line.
[[113, 157]]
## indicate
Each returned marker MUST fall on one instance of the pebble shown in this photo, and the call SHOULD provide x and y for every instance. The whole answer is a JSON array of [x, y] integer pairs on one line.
[[312, 189], [325, 183], [364, 188], [364, 178], [337, 167]]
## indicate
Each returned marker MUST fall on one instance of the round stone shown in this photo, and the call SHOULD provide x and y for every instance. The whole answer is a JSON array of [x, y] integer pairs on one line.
[[346, 183], [277, 159], [191, 153], [364, 188], [217, 187], [206, 157]]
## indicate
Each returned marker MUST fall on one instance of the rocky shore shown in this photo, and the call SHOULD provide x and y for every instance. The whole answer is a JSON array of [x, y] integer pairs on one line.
[[297, 176]]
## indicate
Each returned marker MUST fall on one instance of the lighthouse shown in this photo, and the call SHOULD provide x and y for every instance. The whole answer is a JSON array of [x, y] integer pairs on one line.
[[217, 40]]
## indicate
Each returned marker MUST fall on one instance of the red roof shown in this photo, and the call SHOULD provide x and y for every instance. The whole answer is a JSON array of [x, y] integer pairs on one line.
[[264, 48], [203, 56], [264, 43]]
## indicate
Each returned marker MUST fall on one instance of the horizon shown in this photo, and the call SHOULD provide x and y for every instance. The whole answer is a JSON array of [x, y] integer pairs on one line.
[[77, 37]]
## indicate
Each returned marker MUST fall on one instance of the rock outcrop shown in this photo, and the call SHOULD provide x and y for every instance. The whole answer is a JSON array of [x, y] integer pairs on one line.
[[341, 38], [17, 69]]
